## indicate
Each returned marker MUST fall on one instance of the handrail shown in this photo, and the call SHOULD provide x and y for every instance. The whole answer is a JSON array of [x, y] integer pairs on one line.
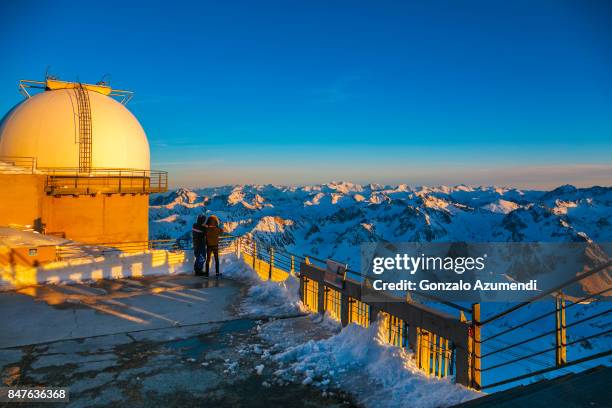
[[70, 181], [553, 348], [552, 312], [274, 257], [75, 170], [475, 353], [547, 370], [548, 292], [65, 251], [548, 333], [24, 162], [561, 343], [359, 274]]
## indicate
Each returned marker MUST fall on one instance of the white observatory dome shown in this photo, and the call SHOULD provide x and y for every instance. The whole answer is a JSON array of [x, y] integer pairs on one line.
[[46, 126]]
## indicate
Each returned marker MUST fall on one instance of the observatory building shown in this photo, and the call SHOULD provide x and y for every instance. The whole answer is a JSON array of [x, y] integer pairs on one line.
[[74, 162]]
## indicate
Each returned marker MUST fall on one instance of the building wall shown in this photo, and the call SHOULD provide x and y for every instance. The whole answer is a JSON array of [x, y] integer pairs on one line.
[[21, 197], [85, 218]]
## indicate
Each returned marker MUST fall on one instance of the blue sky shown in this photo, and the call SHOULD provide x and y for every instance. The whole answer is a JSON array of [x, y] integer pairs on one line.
[[429, 92]]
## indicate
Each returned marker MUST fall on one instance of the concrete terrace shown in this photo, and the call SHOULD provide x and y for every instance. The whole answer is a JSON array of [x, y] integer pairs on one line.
[[151, 341]]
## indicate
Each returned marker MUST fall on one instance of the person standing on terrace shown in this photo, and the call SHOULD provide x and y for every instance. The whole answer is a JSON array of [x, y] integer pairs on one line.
[[213, 232], [198, 234]]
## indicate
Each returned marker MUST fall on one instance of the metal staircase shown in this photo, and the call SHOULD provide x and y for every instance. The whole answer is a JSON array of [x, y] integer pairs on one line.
[[85, 131]]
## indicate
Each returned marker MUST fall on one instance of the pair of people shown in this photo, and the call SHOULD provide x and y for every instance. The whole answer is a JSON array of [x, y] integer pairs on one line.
[[205, 234]]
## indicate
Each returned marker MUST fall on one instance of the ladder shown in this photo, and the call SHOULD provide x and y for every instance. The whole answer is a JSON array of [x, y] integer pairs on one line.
[[85, 133]]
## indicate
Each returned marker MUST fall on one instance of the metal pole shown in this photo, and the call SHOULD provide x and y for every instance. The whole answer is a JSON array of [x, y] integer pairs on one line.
[[271, 263], [561, 350], [476, 380], [254, 253]]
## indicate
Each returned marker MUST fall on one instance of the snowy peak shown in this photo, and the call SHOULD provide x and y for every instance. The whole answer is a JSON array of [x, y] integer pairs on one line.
[[181, 196], [501, 206]]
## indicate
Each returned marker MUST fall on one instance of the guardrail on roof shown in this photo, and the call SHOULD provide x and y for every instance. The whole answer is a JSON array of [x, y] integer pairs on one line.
[[24, 163], [72, 181], [69, 181]]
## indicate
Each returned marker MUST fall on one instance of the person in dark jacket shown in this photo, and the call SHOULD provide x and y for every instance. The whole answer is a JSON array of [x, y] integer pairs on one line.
[[198, 234], [213, 232]]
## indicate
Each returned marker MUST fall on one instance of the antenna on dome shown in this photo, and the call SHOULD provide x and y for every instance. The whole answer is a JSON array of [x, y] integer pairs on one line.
[[48, 75], [103, 81]]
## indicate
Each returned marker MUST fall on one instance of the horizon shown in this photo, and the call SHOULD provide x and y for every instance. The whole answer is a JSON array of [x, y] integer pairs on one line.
[[381, 185], [475, 93]]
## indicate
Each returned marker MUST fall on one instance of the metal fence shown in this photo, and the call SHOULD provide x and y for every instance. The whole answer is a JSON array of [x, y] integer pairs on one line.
[[24, 163], [551, 357], [69, 181], [444, 345], [438, 339], [72, 180], [79, 250]]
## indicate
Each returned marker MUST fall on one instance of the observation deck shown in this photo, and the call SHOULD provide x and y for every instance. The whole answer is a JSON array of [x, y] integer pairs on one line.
[[73, 181]]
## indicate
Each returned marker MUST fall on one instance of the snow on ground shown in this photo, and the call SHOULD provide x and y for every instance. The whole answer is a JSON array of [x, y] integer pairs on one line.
[[359, 361], [315, 350], [264, 298]]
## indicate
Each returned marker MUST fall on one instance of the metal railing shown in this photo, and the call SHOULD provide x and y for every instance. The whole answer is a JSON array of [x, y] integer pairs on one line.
[[72, 180], [69, 181], [443, 345], [558, 334], [440, 341], [79, 250], [22, 162]]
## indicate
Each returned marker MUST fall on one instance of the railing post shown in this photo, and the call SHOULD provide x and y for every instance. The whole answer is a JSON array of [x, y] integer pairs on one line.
[[426, 351], [463, 364], [476, 382], [373, 315], [271, 263], [561, 351], [292, 264], [344, 309], [254, 254], [238, 241], [321, 297]]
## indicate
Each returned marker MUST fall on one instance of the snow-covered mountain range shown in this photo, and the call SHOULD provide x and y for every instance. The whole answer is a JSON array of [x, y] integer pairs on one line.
[[331, 220]]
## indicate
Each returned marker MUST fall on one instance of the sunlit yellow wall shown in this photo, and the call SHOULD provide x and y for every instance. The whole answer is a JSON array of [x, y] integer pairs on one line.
[[21, 197], [99, 218]]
